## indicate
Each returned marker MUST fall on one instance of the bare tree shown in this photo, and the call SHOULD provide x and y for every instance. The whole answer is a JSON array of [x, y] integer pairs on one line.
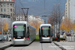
[[56, 16]]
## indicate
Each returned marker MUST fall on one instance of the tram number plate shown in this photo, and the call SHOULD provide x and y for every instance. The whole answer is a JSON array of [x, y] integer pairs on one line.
[[18, 37], [45, 37]]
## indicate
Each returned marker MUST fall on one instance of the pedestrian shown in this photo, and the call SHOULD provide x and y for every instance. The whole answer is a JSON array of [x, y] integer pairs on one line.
[[58, 36], [64, 37]]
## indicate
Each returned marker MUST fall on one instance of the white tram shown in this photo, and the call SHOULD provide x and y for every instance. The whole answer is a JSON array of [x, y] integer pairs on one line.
[[45, 33], [22, 33]]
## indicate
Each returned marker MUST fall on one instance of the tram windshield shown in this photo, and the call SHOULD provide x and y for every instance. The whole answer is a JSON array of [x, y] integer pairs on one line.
[[45, 31], [19, 31]]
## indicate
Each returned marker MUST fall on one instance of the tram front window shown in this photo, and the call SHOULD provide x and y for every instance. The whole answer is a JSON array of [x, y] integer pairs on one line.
[[45, 31], [19, 31]]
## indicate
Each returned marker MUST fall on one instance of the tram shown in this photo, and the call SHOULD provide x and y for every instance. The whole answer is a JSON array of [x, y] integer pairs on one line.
[[45, 33], [22, 33]]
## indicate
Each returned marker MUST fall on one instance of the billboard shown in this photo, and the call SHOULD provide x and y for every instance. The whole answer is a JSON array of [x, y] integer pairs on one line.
[[8, 0]]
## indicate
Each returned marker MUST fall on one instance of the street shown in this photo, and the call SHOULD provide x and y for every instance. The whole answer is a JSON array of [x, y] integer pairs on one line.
[[23, 21], [35, 46]]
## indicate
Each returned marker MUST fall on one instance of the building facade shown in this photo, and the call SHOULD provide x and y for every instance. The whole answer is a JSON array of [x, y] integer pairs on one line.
[[30, 18], [7, 7], [70, 9], [20, 18]]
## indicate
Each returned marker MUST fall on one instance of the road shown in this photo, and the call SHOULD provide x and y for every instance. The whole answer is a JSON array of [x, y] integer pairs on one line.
[[35, 46]]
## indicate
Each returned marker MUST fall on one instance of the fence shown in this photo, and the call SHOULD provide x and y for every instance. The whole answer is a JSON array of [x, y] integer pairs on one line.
[[70, 38]]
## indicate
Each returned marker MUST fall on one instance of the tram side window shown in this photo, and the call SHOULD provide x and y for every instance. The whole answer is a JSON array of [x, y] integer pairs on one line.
[[27, 32], [39, 32], [51, 32]]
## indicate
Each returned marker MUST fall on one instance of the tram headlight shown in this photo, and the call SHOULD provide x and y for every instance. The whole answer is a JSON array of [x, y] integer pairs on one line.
[[24, 38], [14, 38]]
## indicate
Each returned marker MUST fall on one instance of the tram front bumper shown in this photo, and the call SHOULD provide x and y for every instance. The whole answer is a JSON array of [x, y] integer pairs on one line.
[[19, 42], [46, 39]]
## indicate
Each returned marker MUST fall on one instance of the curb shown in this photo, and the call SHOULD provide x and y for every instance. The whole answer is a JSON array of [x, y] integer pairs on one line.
[[59, 46], [4, 47]]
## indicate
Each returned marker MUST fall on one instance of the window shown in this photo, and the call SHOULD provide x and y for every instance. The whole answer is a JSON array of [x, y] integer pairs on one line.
[[7, 4], [1, 5], [45, 31], [1, 16], [19, 31], [10, 4], [11, 10], [1, 10], [11, 14], [28, 32], [4, 4], [4, 10]]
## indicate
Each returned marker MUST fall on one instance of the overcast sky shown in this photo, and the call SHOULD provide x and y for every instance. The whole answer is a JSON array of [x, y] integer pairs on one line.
[[36, 7]]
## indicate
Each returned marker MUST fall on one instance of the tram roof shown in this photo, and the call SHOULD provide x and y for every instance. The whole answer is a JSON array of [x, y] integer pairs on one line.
[[25, 22], [45, 25]]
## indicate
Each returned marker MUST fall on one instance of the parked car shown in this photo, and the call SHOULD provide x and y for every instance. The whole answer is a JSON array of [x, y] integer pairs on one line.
[[68, 34], [1, 38], [5, 37]]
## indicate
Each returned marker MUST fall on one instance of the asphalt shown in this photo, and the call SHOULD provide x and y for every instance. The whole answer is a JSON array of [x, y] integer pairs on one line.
[[65, 45], [62, 45], [4, 45], [35, 46]]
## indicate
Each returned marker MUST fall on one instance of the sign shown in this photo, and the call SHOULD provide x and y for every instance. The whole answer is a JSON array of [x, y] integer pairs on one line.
[[71, 29]]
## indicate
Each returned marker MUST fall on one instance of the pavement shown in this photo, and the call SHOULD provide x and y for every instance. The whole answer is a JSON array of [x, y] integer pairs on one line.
[[35, 46], [62, 45], [66, 45], [4, 45]]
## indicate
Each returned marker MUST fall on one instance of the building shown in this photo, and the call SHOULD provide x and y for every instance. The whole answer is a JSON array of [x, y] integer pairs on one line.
[[5, 19], [38, 18], [30, 18], [20, 18], [4, 16], [67, 9], [70, 9], [7, 7]]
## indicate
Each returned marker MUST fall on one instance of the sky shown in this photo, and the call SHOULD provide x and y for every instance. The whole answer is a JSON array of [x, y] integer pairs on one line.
[[36, 7]]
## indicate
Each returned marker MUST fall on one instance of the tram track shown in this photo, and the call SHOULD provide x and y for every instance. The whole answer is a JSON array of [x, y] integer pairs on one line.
[[41, 46], [59, 46], [50, 46], [53, 46]]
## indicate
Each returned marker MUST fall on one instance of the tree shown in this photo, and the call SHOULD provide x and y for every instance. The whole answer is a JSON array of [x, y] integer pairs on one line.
[[5, 27], [51, 21], [35, 24], [56, 16], [66, 24]]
